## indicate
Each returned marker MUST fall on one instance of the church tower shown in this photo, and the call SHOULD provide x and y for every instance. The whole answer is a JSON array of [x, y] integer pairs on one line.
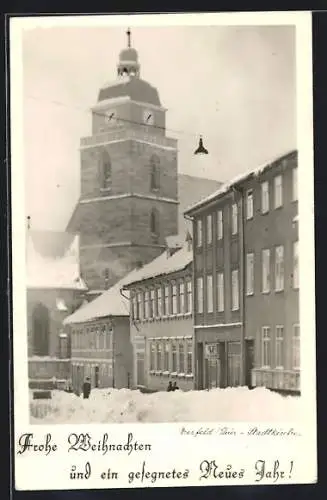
[[128, 202]]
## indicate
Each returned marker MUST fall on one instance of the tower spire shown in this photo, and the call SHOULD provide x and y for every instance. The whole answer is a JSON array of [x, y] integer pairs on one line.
[[128, 33]]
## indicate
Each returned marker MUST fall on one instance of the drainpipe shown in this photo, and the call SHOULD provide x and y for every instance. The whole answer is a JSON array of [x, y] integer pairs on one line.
[[242, 265], [195, 350]]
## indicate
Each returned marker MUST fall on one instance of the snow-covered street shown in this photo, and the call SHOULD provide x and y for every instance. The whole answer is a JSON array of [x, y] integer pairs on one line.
[[118, 406]]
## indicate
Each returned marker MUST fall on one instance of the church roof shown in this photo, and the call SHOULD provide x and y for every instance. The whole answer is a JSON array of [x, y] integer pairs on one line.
[[109, 303], [52, 261], [133, 87]]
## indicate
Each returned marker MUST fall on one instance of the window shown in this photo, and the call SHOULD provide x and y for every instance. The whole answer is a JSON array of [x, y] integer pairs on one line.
[[235, 290], [152, 356], [249, 274], [174, 299], [199, 283], [159, 356], [174, 357], [249, 204], [188, 302], [146, 304], [209, 229], [181, 356], [189, 347], [220, 229], [199, 232], [154, 222], [296, 264], [279, 346], [154, 172], [166, 357], [97, 338], [234, 218], [209, 294], [166, 301], [264, 197], [134, 307], [278, 188], [266, 346], [159, 302], [220, 292], [138, 305], [102, 338], [266, 271], [279, 268], [294, 185], [296, 347], [181, 297], [152, 304], [106, 171]]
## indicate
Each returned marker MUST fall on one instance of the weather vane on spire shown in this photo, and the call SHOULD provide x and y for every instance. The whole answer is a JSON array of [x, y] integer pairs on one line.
[[128, 33]]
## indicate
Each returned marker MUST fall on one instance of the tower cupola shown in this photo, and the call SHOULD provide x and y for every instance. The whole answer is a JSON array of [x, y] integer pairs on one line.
[[128, 64]]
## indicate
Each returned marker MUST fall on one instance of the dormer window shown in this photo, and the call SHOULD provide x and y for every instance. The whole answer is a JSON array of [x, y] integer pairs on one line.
[[154, 172], [106, 171]]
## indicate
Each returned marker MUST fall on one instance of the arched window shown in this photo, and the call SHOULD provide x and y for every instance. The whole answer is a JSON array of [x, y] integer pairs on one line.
[[106, 278], [154, 222], [41, 323], [106, 170], [154, 172]]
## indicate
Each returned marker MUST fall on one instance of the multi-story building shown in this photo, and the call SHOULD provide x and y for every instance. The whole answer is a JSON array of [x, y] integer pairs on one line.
[[246, 280], [54, 290], [161, 318], [100, 341]]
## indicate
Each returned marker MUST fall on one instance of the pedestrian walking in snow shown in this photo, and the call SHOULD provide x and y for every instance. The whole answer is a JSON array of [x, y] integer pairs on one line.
[[175, 387], [170, 387], [87, 388]]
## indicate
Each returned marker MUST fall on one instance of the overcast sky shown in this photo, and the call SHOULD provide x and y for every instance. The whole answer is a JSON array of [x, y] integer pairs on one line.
[[233, 85]]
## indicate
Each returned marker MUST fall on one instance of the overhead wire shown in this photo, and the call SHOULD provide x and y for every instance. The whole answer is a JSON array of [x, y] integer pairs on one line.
[[124, 120]]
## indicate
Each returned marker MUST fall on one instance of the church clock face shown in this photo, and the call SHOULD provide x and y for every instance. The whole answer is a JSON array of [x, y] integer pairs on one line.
[[148, 117], [110, 117]]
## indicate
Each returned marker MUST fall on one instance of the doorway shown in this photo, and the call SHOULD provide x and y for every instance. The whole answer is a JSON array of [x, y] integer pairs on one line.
[[249, 361], [96, 376], [40, 322]]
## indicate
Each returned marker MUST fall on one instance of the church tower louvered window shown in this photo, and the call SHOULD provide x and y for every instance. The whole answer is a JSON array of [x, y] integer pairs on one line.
[[155, 172], [106, 171]]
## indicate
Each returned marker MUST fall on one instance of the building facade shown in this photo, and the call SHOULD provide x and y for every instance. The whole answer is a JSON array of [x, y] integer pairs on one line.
[[246, 300], [161, 320], [100, 342], [54, 291]]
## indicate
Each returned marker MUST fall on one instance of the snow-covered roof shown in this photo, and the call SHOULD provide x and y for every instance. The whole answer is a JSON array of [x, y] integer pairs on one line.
[[162, 265], [109, 303], [235, 181], [53, 269]]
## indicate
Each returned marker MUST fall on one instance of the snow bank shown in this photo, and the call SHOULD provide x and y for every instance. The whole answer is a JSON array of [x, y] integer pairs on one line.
[[118, 406]]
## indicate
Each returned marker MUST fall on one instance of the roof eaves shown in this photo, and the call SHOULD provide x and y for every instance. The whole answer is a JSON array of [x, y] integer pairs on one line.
[[159, 275], [230, 186]]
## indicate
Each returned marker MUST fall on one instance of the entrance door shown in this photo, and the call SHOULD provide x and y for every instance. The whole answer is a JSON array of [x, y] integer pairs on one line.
[[249, 361], [96, 377], [214, 365], [200, 366], [140, 380], [214, 373], [41, 322]]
